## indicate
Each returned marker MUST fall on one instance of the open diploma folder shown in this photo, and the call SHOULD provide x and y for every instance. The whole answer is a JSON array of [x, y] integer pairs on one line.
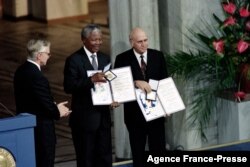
[[120, 88], [168, 100]]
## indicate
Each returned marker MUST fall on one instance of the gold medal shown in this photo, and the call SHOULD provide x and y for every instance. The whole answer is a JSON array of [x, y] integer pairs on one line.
[[6, 158]]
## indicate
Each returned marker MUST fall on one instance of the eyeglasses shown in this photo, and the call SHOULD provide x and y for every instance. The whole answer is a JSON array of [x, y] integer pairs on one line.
[[49, 54]]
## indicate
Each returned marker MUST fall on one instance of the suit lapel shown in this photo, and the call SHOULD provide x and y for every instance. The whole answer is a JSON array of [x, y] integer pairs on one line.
[[85, 60], [136, 69], [134, 60], [101, 62], [152, 64]]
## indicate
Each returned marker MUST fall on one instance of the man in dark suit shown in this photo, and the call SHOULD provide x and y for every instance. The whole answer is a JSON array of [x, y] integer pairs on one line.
[[90, 125], [145, 64], [32, 95]]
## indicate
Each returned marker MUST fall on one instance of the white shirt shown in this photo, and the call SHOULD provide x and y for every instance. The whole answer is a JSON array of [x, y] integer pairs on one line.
[[138, 56], [89, 54]]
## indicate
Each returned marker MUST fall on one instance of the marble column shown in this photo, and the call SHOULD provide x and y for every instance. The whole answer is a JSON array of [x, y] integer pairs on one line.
[[125, 15], [176, 18]]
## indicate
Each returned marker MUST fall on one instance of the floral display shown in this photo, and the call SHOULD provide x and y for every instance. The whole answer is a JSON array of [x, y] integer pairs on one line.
[[232, 46], [218, 62]]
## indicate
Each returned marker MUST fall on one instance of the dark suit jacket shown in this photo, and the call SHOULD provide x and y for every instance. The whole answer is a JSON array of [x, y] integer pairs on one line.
[[77, 83], [32, 95], [156, 69]]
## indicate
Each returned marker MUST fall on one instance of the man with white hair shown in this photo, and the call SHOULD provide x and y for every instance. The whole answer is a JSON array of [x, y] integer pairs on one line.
[[33, 95]]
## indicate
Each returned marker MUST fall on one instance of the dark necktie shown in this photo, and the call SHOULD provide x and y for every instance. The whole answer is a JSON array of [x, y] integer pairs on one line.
[[143, 67], [94, 64]]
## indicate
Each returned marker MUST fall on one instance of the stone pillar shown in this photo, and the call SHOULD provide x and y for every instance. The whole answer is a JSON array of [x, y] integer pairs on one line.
[[125, 15], [175, 18], [119, 30]]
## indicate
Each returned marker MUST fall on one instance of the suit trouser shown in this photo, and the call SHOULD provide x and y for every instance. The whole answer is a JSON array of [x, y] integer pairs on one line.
[[45, 143], [93, 148], [154, 132]]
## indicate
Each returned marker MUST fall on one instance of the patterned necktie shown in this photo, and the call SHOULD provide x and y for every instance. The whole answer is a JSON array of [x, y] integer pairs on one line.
[[94, 64], [143, 67]]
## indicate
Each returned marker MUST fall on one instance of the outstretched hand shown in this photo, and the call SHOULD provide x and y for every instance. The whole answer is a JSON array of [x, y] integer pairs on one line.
[[63, 109]]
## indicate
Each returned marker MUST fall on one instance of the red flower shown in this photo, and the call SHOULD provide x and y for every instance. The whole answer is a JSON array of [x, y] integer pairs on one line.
[[244, 12], [242, 46], [239, 95], [229, 7], [229, 21], [218, 46]]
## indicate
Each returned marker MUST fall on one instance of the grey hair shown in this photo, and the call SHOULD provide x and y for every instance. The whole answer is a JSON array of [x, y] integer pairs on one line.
[[88, 29], [36, 45]]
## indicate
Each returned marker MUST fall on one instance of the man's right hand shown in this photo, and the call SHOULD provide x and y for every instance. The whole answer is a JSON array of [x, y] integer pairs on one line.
[[64, 111], [98, 77], [143, 85]]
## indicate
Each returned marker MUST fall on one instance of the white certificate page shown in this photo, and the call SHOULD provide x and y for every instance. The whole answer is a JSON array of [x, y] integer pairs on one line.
[[151, 109], [122, 86], [169, 96], [101, 94]]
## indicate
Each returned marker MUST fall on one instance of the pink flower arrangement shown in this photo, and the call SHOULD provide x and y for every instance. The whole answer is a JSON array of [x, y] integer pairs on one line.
[[233, 46], [235, 43], [219, 62]]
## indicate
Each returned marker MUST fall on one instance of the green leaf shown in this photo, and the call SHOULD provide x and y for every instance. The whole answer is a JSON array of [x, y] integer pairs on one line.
[[217, 19]]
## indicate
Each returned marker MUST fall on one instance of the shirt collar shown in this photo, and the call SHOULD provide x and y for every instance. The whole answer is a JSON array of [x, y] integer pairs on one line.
[[138, 56], [33, 62], [88, 52]]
